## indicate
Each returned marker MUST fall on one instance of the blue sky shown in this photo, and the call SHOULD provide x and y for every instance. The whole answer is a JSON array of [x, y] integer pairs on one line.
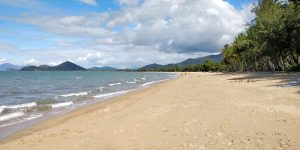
[[120, 33]]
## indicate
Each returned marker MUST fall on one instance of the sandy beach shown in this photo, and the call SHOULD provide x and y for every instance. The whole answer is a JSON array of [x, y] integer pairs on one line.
[[194, 111]]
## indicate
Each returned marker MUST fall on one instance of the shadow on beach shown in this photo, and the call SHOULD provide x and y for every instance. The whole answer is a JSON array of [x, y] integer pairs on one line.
[[283, 79]]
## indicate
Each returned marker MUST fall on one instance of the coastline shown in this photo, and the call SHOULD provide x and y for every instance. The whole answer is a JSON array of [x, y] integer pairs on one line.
[[67, 106], [23, 126], [179, 113]]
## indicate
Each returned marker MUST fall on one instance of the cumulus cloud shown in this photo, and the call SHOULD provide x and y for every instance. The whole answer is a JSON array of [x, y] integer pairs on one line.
[[91, 57], [173, 26], [89, 2], [185, 26], [31, 62]]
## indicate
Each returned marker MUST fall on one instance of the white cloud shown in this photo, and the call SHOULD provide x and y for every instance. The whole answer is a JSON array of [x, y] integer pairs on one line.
[[31, 62], [192, 26], [89, 2], [2, 60], [90, 57], [55, 63]]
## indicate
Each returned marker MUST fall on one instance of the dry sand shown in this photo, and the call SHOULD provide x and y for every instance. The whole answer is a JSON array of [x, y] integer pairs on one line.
[[195, 111]]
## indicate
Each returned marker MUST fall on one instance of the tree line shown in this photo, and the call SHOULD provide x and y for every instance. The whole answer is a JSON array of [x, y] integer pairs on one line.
[[271, 41], [209, 65]]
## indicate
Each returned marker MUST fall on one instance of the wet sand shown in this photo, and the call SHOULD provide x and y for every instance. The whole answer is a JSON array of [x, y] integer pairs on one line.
[[194, 111]]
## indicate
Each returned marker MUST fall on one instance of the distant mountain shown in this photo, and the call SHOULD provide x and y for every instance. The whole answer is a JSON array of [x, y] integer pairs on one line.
[[152, 66], [104, 68], [66, 66], [8, 66], [200, 60], [190, 61]]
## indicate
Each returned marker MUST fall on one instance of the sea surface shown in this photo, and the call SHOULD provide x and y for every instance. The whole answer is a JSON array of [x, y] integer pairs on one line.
[[28, 96]]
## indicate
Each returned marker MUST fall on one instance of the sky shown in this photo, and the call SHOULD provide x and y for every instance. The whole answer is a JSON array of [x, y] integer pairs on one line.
[[118, 33]]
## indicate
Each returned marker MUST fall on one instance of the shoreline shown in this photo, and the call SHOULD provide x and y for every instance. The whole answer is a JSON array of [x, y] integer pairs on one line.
[[48, 121], [193, 111], [9, 130]]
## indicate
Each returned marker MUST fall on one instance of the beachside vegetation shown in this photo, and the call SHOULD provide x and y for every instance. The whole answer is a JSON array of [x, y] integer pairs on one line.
[[271, 41]]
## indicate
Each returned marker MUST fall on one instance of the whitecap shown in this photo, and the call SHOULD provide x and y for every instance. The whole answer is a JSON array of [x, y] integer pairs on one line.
[[111, 94], [11, 115], [23, 120], [152, 82], [131, 82], [100, 88], [112, 84], [33, 117], [19, 105], [79, 77], [61, 104], [143, 78], [75, 94]]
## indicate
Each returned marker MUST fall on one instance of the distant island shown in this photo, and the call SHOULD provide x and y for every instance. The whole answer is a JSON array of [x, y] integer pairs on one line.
[[66, 66]]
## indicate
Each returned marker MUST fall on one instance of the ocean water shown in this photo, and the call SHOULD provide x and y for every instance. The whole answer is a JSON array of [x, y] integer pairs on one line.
[[26, 96]]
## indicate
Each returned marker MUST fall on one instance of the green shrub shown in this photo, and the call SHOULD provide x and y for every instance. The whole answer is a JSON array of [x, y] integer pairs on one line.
[[293, 68]]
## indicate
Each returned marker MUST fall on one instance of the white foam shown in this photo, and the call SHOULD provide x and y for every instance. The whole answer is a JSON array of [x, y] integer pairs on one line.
[[100, 88], [112, 84], [19, 105], [1, 109], [152, 82], [143, 78], [79, 77], [26, 119], [11, 115], [33, 117], [61, 104], [131, 82], [111, 94], [75, 94]]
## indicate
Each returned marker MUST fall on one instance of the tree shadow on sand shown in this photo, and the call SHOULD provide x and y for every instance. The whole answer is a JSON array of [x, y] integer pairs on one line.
[[284, 80]]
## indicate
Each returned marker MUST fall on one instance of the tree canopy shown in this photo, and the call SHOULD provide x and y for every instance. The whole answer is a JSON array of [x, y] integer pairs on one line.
[[271, 42]]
